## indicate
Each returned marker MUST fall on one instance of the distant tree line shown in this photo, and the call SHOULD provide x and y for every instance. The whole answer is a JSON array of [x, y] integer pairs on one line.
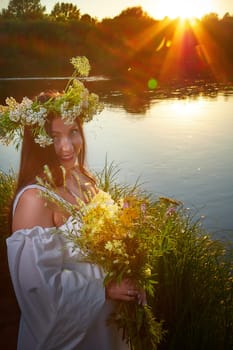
[[131, 45]]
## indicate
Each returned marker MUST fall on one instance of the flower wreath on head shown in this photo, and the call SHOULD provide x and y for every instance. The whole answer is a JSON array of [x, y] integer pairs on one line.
[[75, 101]]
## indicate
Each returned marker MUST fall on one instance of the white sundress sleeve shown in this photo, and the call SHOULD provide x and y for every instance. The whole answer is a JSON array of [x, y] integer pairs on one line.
[[58, 300]]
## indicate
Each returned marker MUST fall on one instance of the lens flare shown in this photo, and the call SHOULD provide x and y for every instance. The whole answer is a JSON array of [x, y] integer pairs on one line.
[[152, 83]]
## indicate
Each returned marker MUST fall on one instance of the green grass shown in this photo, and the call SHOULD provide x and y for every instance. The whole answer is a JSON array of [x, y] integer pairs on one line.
[[194, 295], [7, 188], [9, 309], [107, 180]]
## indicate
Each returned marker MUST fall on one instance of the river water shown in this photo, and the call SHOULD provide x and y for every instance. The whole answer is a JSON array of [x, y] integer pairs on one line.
[[177, 140]]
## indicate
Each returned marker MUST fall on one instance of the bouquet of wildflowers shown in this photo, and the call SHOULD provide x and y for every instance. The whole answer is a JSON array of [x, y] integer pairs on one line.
[[127, 236], [126, 239]]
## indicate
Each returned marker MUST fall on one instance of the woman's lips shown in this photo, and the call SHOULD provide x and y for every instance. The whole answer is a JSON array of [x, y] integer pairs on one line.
[[67, 158]]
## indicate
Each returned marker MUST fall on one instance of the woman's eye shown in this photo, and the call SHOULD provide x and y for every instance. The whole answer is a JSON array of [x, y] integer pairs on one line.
[[74, 131]]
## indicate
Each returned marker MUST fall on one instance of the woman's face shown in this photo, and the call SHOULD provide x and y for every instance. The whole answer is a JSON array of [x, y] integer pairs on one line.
[[67, 142]]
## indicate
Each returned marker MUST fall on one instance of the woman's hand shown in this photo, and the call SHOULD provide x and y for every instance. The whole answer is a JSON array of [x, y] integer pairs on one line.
[[125, 291]]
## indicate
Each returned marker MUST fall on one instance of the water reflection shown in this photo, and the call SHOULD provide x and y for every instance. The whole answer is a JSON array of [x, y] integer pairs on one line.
[[137, 98], [183, 110], [134, 97]]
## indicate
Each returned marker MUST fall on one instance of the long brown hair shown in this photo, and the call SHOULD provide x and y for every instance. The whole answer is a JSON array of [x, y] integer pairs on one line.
[[34, 157]]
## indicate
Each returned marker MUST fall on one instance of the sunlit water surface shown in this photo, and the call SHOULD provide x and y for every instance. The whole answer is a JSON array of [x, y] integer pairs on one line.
[[178, 147]]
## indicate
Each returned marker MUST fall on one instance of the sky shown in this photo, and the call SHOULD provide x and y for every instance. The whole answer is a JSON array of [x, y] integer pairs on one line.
[[155, 8]]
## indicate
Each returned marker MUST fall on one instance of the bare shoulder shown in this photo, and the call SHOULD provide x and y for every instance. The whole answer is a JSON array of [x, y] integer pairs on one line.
[[31, 199], [32, 210]]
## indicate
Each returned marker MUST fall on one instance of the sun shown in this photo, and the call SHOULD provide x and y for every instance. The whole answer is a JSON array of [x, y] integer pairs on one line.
[[179, 8]]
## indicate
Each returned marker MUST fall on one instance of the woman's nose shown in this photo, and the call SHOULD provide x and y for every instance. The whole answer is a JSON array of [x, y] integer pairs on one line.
[[66, 144]]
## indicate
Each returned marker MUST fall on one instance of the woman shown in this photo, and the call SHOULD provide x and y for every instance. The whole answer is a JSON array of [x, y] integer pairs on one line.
[[63, 302]]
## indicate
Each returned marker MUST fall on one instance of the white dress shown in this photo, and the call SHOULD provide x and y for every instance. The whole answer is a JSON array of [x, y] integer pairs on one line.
[[62, 300]]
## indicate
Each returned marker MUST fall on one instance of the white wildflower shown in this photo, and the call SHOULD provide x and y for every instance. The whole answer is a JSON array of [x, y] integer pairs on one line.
[[69, 114], [43, 140], [81, 65], [26, 103], [14, 115], [41, 116]]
